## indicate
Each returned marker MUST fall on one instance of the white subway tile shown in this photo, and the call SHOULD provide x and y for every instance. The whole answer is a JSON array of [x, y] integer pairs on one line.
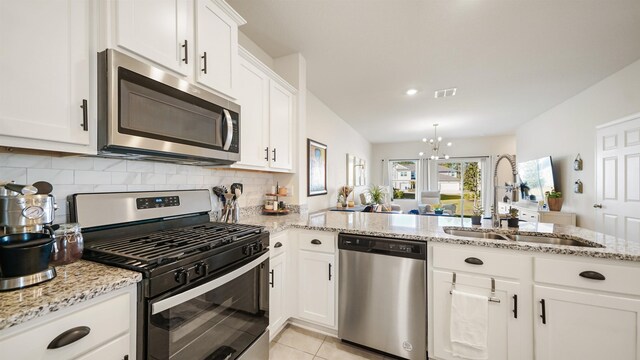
[[25, 161], [62, 192], [140, 166], [72, 163], [92, 177], [54, 176], [195, 179], [188, 187], [177, 179], [110, 188], [154, 179], [103, 164], [141, 187], [163, 168], [126, 178], [166, 187], [8, 174]]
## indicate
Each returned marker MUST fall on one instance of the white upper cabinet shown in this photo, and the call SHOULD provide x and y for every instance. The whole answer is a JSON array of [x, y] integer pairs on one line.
[[267, 120], [217, 47], [155, 29], [44, 75]]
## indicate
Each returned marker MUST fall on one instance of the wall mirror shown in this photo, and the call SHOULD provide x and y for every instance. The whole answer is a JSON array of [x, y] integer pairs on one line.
[[355, 171]]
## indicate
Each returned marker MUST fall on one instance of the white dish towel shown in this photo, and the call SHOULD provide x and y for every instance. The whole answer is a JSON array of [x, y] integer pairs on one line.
[[469, 325]]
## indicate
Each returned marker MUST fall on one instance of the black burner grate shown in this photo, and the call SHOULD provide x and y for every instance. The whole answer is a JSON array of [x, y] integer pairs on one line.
[[167, 245]]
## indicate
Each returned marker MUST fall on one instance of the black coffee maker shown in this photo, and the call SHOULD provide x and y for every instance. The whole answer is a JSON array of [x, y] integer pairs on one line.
[[26, 236]]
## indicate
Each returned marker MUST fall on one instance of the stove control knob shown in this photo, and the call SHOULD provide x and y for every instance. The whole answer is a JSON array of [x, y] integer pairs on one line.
[[202, 268], [182, 276]]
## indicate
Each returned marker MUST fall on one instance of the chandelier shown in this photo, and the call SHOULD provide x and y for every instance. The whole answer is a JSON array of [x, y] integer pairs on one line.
[[434, 144]]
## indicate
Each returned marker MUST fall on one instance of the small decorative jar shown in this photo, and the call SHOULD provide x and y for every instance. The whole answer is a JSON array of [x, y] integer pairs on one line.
[[67, 244]]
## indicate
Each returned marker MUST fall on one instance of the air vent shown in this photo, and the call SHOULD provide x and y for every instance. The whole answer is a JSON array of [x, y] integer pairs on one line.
[[445, 93]]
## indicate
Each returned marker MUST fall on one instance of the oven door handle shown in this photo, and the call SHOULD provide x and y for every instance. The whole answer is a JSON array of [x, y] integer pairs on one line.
[[175, 300]]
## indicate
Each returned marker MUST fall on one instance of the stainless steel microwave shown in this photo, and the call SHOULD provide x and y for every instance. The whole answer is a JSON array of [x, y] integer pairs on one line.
[[145, 113]]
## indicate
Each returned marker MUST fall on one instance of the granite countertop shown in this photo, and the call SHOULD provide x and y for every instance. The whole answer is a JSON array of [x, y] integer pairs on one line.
[[431, 228], [74, 283]]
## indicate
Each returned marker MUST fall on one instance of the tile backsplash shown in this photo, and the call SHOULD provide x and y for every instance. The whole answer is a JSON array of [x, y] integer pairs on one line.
[[77, 174]]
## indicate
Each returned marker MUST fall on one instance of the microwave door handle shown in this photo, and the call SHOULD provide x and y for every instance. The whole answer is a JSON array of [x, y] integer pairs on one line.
[[178, 299], [229, 137]]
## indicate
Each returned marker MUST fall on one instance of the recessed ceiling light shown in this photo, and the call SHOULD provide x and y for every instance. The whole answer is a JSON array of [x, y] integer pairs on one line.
[[412, 92]]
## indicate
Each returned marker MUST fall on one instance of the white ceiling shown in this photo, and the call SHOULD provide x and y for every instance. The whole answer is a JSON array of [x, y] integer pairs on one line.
[[511, 60]]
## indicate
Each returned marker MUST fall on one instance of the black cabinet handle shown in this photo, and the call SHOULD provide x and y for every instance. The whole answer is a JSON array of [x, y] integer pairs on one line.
[[593, 275], [473, 261], [204, 58], [515, 306], [266, 153], [274, 154], [85, 115], [126, 357], [68, 337], [329, 271], [316, 242], [277, 245], [544, 312], [272, 283], [186, 52]]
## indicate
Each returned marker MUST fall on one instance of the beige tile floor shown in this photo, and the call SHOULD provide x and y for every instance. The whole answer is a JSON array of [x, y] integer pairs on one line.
[[295, 343]]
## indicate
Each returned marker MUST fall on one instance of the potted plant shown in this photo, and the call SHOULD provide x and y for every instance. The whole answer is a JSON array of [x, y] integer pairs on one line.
[[478, 211], [554, 199], [377, 194], [513, 218], [438, 210]]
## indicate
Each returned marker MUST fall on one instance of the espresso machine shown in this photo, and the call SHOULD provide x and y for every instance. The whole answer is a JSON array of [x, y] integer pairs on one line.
[[26, 236]]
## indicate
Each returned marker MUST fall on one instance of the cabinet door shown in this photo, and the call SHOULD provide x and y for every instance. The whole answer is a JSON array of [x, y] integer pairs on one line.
[[586, 326], [253, 94], [317, 287], [280, 127], [277, 288], [506, 339], [155, 29], [217, 48], [44, 71], [117, 349]]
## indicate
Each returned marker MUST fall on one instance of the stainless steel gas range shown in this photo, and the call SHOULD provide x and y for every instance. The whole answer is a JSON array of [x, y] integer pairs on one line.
[[204, 293]]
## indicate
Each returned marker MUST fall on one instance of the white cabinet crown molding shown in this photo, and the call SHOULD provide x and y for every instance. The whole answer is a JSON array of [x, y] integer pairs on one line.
[[246, 55], [230, 11]]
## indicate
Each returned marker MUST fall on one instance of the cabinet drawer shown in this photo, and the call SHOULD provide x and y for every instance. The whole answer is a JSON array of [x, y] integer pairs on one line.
[[469, 259], [114, 350], [317, 241], [531, 216], [278, 244], [620, 279], [106, 320]]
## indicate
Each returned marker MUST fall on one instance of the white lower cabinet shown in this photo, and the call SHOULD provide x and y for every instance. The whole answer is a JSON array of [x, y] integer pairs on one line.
[[586, 325], [317, 287], [108, 321]]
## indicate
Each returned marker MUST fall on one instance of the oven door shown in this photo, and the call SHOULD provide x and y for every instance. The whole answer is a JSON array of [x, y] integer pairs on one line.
[[217, 320]]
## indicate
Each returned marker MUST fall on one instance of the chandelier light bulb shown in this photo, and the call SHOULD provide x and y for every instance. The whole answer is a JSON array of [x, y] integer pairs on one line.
[[431, 141], [446, 157], [421, 153], [433, 157], [449, 143], [439, 138], [424, 139]]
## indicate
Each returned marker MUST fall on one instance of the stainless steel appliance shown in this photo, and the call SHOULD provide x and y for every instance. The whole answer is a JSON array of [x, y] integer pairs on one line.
[[382, 294], [204, 293], [25, 246], [146, 113]]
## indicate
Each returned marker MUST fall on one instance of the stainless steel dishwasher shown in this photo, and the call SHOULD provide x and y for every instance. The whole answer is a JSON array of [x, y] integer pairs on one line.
[[383, 294]]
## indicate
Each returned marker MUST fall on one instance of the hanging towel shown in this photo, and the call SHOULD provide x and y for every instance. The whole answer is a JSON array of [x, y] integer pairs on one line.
[[469, 325]]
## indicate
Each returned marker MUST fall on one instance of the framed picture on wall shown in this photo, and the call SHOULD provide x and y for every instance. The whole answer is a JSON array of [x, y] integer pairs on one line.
[[316, 168]]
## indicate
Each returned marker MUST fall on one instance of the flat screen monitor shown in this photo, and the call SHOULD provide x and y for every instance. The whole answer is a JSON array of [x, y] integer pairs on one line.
[[537, 175]]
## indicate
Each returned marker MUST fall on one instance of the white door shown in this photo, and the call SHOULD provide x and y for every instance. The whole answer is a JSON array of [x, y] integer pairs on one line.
[[157, 30], [508, 319], [44, 71], [317, 287], [585, 326], [253, 94], [217, 48], [618, 179], [277, 276], [280, 127]]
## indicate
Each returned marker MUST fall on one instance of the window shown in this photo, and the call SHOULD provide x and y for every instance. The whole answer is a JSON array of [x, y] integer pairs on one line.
[[403, 174]]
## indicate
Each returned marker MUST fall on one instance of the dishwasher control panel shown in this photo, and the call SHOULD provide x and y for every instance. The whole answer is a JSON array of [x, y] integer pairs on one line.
[[383, 246]]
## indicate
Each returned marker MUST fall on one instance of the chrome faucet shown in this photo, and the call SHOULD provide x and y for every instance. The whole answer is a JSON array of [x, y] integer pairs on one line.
[[495, 216]]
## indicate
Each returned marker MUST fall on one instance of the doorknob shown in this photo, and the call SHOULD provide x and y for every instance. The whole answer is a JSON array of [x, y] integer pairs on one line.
[[597, 206]]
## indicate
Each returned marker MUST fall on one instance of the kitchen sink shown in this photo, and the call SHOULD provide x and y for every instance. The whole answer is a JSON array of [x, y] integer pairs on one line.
[[476, 234], [549, 240], [523, 238]]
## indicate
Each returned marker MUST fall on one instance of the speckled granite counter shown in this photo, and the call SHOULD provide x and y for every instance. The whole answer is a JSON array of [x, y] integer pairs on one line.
[[431, 228], [75, 283]]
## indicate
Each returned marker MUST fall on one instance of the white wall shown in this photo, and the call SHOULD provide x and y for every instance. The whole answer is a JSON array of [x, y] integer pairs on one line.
[[325, 126], [569, 129]]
